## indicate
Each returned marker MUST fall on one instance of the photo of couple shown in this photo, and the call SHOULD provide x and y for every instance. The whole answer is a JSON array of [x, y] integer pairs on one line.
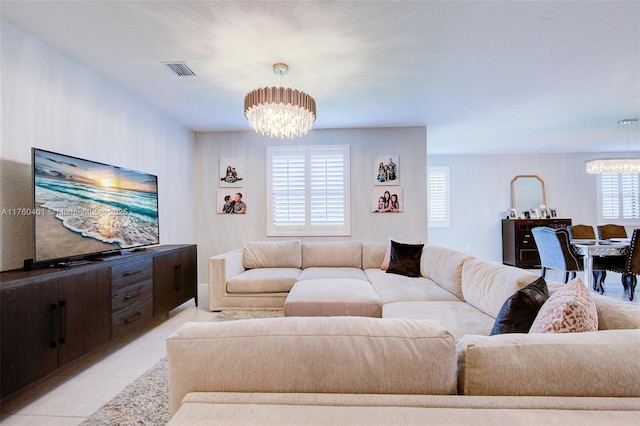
[[231, 203], [387, 170], [387, 202]]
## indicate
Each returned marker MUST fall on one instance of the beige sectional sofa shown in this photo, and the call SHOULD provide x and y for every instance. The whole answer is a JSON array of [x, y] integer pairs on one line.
[[428, 360]]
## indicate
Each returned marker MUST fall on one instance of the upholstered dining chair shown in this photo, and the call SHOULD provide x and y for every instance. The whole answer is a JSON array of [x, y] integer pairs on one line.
[[555, 252], [628, 266], [581, 232], [611, 231]]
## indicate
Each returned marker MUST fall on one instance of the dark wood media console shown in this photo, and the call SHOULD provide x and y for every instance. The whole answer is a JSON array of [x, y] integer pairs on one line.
[[52, 317]]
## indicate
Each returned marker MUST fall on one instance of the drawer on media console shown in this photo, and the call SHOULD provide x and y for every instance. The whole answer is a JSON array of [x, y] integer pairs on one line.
[[133, 294], [129, 313], [128, 273]]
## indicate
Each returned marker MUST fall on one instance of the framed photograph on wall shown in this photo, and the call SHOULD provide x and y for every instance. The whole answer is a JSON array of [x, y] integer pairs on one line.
[[386, 169], [387, 201], [231, 172], [230, 202]]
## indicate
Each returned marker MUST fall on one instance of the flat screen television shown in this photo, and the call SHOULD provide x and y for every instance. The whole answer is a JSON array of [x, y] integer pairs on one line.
[[84, 207]]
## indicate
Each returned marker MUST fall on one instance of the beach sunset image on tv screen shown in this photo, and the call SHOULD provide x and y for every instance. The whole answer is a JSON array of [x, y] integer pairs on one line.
[[84, 207]]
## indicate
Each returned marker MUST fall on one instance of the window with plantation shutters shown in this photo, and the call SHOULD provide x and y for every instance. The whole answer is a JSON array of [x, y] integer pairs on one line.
[[308, 190], [438, 197], [619, 197]]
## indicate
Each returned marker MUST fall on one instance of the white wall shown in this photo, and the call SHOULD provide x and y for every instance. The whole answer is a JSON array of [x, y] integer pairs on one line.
[[218, 233], [481, 195], [50, 101]]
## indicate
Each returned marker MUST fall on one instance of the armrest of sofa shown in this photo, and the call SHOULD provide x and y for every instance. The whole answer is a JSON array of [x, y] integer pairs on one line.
[[311, 355], [221, 269], [591, 364]]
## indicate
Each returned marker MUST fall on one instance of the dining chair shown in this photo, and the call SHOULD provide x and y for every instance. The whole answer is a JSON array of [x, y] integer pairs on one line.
[[628, 266], [555, 252], [611, 231], [586, 232], [581, 232]]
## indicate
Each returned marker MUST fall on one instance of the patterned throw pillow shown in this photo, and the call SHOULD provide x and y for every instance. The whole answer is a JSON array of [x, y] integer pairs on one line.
[[569, 310], [520, 310]]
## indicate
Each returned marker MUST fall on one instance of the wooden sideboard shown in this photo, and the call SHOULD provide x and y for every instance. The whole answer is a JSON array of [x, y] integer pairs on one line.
[[518, 247], [52, 317]]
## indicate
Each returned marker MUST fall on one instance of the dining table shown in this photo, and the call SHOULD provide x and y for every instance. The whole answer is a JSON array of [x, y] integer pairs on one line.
[[589, 248]]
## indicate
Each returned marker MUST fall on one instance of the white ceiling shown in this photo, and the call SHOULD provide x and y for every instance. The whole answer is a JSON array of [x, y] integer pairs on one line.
[[496, 76]]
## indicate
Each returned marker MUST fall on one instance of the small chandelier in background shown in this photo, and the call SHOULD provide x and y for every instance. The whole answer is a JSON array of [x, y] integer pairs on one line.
[[617, 165], [280, 112]]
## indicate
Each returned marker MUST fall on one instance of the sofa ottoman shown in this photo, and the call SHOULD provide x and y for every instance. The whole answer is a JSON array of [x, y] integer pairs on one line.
[[333, 297]]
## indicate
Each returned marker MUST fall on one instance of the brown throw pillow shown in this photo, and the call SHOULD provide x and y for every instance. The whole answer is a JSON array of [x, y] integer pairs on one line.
[[571, 309], [520, 310], [404, 259]]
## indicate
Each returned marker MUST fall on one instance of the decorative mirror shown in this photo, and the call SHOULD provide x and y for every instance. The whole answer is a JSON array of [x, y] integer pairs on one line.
[[527, 192]]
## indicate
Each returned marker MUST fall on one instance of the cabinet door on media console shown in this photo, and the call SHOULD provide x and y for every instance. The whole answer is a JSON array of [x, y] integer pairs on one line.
[[29, 333], [50, 322], [85, 315], [174, 279]]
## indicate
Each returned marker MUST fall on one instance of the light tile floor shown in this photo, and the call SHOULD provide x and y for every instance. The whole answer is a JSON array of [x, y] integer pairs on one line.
[[72, 395]]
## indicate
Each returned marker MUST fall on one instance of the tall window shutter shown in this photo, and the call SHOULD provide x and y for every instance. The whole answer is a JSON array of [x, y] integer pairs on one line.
[[619, 196], [438, 193], [309, 192]]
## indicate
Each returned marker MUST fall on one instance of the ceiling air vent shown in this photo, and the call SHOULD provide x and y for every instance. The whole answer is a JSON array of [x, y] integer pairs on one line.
[[181, 69]]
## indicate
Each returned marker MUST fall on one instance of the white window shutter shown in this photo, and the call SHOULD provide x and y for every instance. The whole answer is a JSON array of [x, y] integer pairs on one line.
[[309, 192], [438, 193], [619, 197], [629, 196]]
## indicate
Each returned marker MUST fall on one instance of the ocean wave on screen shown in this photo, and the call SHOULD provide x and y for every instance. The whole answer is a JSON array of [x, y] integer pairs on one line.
[[134, 201], [77, 213]]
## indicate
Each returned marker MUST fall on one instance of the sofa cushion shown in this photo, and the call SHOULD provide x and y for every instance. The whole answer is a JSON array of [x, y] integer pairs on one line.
[[519, 311], [405, 259], [319, 355], [316, 273], [263, 280], [373, 254], [398, 288], [459, 318], [333, 297], [332, 254], [614, 314], [487, 285], [272, 254], [444, 266], [592, 364], [569, 310], [258, 409]]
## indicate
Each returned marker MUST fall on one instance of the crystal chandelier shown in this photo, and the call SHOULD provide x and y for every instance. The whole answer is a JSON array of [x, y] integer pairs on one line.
[[616, 165], [280, 112]]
